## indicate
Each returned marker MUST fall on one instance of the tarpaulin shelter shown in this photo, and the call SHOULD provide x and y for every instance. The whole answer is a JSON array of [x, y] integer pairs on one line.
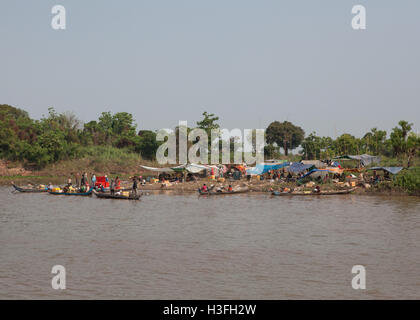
[[165, 170], [262, 168], [321, 172], [297, 167], [364, 159], [392, 170], [191, 167], [317, 163]]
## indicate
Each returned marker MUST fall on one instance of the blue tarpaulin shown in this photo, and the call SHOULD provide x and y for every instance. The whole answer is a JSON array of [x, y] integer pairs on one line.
[[392, 170], [298, 167], [262, 168]]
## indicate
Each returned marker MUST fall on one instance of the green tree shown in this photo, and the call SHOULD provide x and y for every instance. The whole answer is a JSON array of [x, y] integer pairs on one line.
[[398, 137], [285, 134], [346, 144], [147, 145], [311, 147], [208, 123], [413, 147]]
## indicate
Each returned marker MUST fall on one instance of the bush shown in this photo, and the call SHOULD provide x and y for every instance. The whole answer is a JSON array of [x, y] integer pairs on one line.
[[409, 180]]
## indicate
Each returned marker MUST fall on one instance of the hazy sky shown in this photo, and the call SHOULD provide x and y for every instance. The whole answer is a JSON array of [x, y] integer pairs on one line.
[[249, 62]]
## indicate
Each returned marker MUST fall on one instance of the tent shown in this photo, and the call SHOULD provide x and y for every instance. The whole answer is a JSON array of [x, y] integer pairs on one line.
[[392, 170], [321, 172], [298, 167], [165, 170], [262, 168], [364, 159], [317, 163]]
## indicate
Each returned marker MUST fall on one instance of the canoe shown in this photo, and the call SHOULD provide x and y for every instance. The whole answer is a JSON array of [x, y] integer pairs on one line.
[[322, 193], [215, 193], [28, 190], [106, 195], [87, 193]]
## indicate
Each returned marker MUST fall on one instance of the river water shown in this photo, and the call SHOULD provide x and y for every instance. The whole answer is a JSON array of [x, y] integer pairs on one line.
[[169, 246]]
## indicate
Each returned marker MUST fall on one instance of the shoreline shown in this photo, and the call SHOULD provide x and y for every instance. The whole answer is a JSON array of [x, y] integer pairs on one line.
[[255, 187]]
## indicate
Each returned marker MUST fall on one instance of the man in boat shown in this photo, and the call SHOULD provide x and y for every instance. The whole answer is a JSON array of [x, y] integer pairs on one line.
[[83, 179], [112, 187], [204, 188], [317, 189], [93, 179], [117, 183], [135, 186], [68, 185]]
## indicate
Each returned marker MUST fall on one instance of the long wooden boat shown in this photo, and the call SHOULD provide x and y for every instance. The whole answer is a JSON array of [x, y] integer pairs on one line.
[[87, 193], [28, 189], [106, 195], [322, 193], [216, 193]]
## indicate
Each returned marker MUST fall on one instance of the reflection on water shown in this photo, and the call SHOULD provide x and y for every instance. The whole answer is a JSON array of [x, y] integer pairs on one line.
[[227, 247]]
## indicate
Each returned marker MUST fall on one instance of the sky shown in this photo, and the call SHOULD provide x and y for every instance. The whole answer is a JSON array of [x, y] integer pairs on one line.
[[249, 62]]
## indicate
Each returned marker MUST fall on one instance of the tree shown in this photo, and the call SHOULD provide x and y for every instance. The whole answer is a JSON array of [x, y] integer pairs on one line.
[[374, 141], [346, 144], [413, 147], [208, 123], [285, 134], [312, 146], [147, 145], [398, 137]]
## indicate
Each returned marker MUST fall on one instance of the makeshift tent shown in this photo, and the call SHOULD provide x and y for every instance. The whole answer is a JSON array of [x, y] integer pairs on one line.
[[320, 172], [364, 159], [166, 170], [195, 168], [317, 163], [392, 170], [262, 168], [297, 167]]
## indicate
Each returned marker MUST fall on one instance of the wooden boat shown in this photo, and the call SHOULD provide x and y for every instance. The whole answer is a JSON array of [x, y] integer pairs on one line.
[[28, 189], [216, 193], [322, 193], [106, 195], [87, 193]]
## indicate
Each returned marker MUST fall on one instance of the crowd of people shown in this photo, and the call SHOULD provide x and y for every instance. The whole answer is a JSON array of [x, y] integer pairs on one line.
[[84, 183]]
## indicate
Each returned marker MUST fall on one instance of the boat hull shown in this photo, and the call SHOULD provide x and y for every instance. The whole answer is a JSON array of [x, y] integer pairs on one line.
[[29, 190], [88, 193], [276, 193], [115, 196], [215, 193]]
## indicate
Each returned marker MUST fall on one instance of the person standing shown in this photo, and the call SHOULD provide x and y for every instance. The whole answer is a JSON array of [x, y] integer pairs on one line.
[[93, 178], [112, 187], [117, 183], [135, 185]]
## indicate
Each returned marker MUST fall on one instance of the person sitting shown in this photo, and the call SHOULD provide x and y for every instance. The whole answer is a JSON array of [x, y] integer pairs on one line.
[[230, 188], [204, 188], [50, 186]]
